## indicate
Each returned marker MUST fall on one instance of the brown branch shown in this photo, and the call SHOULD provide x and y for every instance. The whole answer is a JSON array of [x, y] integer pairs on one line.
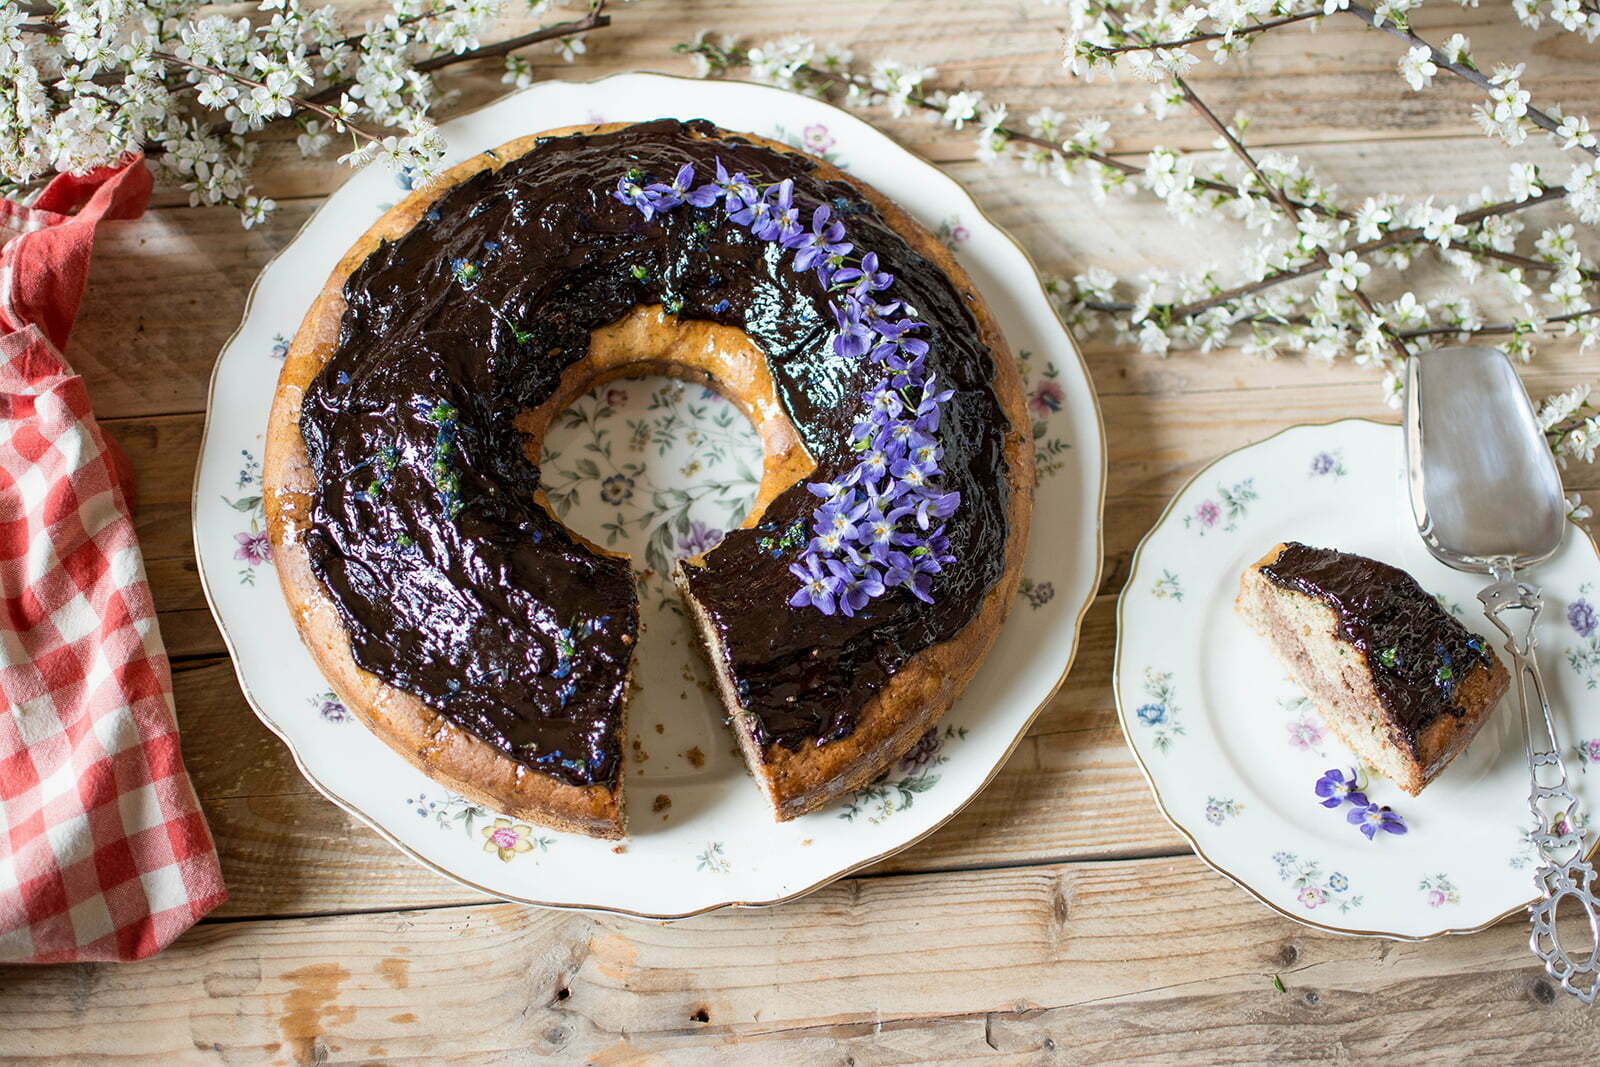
[[1526, 262], [297, 101], [1461, 70], [1501, 327], [1023, 137], [1410, 235], [594, 20], [1118, 307], [1150, 46], [1283, 201]]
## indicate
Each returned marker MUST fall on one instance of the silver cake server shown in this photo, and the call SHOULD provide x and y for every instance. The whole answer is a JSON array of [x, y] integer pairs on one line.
[[1487, 499]]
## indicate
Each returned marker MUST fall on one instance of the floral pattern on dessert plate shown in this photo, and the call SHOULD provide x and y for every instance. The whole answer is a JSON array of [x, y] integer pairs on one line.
[[1234, 751], [659, 469]]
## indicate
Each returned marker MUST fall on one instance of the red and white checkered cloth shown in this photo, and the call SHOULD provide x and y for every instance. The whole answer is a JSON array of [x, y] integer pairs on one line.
[[104, 854]]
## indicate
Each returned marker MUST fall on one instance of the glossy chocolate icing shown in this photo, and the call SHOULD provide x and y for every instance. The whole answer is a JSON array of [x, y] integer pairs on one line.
[[455, 585], [1417, 651]]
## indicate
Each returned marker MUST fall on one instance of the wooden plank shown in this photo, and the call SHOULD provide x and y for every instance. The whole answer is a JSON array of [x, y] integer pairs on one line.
[[1071, 962], [1336, 84], [165, 292]]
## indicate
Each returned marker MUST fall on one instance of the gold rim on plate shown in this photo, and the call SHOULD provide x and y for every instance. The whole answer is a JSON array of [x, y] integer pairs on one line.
[[1077, 631]]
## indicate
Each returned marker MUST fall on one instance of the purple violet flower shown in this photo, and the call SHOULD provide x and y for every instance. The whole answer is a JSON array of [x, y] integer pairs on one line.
[[1335, 787], [825, 239], [817, 585], [630, 191], [896, 348], [779, 219], [669, 196], [855, 336], [864, 279], [1371, 818]]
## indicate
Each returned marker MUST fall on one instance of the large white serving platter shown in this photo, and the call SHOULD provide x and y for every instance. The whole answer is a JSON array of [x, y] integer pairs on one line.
[[717, 843]]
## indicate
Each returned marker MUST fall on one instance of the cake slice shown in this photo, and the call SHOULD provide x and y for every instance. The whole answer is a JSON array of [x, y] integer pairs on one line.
[[1402, 683]]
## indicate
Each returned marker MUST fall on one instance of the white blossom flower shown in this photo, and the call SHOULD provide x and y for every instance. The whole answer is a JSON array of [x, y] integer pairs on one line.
[[1046, 123], [1372, 218], [1346, 268], [1583, 191], [1574, 132], [1559, 407], [1153, 340], [1524, 182], [1439, 224], [1417, 67], [961, 108], [1092, 134], [1408, 312], [519, 71], [1457, 49]]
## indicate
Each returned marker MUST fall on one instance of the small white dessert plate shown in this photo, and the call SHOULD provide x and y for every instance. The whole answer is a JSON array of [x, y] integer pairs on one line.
[[658, 469], [1233, 750]]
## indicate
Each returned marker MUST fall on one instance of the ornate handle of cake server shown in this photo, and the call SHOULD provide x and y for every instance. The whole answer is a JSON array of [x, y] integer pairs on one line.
[[1559, 829]]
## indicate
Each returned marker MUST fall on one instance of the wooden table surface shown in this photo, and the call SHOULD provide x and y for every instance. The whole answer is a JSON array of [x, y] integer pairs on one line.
[[1059, 917]]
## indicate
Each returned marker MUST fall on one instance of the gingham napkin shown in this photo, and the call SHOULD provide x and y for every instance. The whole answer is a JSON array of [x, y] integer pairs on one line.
[[104, 854]]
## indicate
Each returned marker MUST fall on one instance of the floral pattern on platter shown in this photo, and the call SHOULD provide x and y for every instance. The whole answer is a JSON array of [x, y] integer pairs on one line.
[[597, 460], [1527, 850], [712, 859], [252, 548], [1585, 658], [1042, 386], [888, 795], [328, 705], [508, 839], [814, 137], [1167, 587], [1305, 730], [1328, 464], [280, 346], [1220, 809], [1439, 890], [1231, 504], [1159, 712], [1313, 888], [1036, 594], [952, 233], [657, 873], [1588, 752], [504, 837]]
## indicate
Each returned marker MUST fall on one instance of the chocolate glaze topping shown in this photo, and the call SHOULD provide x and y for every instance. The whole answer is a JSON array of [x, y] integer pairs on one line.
[[455, 585], [1417, 651]]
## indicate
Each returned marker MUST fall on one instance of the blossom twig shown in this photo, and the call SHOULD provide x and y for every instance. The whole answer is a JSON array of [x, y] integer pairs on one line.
[[1201, 38], [1471, 73], [1322, 260]]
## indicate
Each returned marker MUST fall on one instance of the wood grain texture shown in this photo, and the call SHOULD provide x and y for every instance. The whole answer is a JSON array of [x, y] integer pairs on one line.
[[1079, 962], [1059, 918]]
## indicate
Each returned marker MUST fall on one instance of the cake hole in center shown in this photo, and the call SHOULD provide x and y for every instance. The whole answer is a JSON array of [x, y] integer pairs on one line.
[[653, 468], [659, 470]]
